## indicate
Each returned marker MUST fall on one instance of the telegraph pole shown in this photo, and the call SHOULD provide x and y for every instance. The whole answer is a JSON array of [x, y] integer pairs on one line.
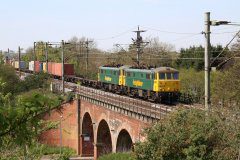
[[87, 47], [206, 62], [63, 66], [34, 55], [34, 51], [46, 52], [138, 43], [19, 59]]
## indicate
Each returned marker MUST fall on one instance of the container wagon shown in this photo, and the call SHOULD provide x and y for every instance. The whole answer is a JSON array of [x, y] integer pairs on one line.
[[56, 69], [22, 65]]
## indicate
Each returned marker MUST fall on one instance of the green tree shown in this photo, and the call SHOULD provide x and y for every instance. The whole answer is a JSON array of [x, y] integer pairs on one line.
[[189, 134], [21, 109], [226, 86], [192, 83], [8, 76], [192, 57]]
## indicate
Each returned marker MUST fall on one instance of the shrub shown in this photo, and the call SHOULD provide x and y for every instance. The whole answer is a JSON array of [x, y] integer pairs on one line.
[[117, 156], [190, 134]]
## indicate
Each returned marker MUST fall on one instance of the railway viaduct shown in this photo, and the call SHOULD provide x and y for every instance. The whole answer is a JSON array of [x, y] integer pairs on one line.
[[98, 122]]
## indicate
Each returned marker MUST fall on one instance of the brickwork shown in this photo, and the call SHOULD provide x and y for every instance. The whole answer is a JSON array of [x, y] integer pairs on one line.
[[69, 127], [116, 122]]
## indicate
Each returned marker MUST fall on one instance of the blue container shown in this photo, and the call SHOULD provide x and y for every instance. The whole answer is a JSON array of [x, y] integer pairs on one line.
[[41, 66], [22, 65]]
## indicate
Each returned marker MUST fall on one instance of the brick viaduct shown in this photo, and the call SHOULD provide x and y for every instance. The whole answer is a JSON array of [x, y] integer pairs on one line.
[[92, 128]]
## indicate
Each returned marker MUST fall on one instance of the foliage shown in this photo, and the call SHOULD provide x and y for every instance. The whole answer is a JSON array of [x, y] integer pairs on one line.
[[189, 134], [117, 156], [1, 58], [226, 86], [236, 46], [158, 53], [34, 81], [9, 78], [194, 57], [21, 122], [192, 83], [21, 108], [37, 151]]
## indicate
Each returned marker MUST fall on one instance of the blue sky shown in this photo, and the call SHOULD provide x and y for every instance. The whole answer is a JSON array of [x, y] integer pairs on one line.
[[26, 21]]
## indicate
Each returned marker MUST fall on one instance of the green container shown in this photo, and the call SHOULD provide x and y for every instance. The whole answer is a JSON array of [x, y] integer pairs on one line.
[[140, 78], [109, 75]]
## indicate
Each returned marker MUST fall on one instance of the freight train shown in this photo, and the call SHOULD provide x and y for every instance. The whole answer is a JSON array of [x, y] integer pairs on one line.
[[52, 68], [156, 84]]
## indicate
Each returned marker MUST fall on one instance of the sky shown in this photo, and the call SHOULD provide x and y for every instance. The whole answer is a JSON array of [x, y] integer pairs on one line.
[[109, 22]]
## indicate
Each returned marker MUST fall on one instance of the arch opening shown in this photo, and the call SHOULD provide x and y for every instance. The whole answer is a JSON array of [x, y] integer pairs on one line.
[[124, 142], [104, 141], [87, 136]]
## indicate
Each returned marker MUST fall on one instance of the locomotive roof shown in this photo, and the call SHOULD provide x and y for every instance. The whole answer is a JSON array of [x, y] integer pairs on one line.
[[122, 67], [153, 70], [165, 69]]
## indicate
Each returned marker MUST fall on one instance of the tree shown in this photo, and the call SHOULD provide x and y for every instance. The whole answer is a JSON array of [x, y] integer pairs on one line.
[[189, 134], [236, 46], [226, 86], [21, 121], [159, 53], [192, 84], [21, 109], [1, 58], [8, 76], [192, 57]]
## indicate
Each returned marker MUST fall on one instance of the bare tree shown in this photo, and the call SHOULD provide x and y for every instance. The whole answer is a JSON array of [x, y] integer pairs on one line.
[[159, 53]]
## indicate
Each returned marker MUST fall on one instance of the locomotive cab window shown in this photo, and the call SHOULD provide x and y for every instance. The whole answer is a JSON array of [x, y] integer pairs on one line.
[[101, 71], [176, 75], [128, 74], [162, 76], [147, 76], [169, 76], [114, 72]]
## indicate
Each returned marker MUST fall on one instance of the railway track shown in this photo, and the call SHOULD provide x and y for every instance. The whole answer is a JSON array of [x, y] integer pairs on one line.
[[122, 102], [128, 104]]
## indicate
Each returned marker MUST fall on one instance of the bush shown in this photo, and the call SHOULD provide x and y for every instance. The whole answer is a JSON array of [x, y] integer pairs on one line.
[[117, 156], [192, 84], [190, 134], [36, 151]]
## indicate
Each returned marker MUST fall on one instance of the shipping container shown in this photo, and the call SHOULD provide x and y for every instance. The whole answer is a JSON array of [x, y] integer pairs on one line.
[[41, 66], [31, 65], [56, 69], [50, 68], [22, 65], [44, 67], [36, 66], [12, 63]]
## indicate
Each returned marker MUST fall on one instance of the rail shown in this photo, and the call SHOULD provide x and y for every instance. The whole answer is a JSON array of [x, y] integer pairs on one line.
[[133, 107]]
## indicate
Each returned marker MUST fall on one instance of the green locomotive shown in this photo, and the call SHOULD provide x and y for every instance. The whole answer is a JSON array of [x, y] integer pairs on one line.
[[155, 83]]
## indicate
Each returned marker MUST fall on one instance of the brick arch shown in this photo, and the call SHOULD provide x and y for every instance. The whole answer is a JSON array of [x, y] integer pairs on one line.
[[87, 135], [124, 141], [104, 140], [133, 132]]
